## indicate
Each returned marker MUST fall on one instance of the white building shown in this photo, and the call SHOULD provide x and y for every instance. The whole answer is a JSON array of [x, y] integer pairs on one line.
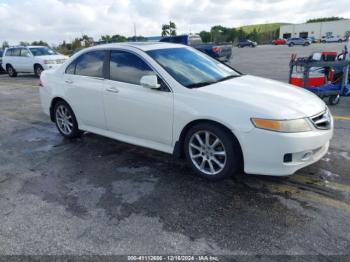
[[339, 28]]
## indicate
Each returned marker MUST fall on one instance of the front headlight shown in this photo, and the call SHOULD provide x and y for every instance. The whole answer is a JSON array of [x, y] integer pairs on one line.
[[287, 126], [49, 62]]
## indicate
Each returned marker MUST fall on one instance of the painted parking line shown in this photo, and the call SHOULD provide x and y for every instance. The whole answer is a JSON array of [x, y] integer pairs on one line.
[[346, 118]]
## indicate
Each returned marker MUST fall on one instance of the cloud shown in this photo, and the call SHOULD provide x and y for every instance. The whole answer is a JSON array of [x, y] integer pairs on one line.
[[57, 20]]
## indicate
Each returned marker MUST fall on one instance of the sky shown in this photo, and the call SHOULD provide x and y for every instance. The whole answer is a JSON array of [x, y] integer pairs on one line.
[[56, 20]]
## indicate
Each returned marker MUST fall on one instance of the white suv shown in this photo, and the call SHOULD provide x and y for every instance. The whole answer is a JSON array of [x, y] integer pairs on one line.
[[331, 39], [30, 59]]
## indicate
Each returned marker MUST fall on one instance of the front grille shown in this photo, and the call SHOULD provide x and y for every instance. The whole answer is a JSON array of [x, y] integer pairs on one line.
[[60, 61], [322, 120]]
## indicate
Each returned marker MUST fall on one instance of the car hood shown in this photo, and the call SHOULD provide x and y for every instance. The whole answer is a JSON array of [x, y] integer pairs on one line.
[[51, 57], [268, 98]]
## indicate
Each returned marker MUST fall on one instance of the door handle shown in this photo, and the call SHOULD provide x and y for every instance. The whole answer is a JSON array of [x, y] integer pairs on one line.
[[69, 81], [112, 90]]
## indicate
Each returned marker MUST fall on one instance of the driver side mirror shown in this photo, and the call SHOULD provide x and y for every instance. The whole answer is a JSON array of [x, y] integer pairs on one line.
[[150, 81]]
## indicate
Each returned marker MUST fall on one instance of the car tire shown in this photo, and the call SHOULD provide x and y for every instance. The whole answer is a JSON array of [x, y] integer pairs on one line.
[[306, 44], [38, 69], [66, 121], [334, 100], [291, 44], [11, 71], [323, 42], [212, 151]]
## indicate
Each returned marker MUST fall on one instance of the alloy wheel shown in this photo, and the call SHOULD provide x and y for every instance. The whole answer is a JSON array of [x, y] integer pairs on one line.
[[207, 152], [10, 71], [64, 119]]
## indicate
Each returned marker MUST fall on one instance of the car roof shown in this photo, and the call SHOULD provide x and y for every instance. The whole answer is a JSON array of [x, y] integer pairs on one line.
[[144, 46], [27, 46]]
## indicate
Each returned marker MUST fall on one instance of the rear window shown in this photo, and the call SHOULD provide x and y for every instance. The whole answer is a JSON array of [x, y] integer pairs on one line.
[[71, 68], [13, 52], [91, 64]]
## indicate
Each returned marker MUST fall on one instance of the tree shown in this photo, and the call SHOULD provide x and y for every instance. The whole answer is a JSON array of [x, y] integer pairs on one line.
[[254, 35], [5, 44], [76, 44], [118, 38], [87, 40], [232, 35], [205, 36], [105, 38], [40, 43], [165, 30], [64, 48], [23, 43], [324, 19], [172, 28], [169, 29], [241, 33]]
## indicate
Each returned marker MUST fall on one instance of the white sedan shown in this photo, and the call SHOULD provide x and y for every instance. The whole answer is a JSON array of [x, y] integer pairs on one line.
[[175, 99]]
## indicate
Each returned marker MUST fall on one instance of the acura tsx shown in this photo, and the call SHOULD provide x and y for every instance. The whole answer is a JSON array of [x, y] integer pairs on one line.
[[175, 99]]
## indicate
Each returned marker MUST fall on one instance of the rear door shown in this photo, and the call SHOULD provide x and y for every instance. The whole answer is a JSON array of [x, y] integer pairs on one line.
[[26, 61], [84, 83], [15, 60]]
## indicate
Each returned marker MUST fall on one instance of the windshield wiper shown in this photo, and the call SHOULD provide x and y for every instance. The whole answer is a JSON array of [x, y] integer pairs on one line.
[[211, 82], [227, 77], [200, 84]]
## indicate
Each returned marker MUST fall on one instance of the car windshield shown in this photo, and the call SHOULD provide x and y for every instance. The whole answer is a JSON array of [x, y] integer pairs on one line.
[[192, 68], [39, 51]]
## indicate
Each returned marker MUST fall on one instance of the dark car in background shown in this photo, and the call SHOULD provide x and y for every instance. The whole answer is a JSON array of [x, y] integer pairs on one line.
[[298, 41], [246, 42], [221, 52]]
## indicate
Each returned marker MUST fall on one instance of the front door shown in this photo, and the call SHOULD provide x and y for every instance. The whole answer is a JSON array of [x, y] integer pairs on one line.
[[132, 110]]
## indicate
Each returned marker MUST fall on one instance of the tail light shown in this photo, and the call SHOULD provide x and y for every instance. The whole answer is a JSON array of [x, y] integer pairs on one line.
[[216, 49], [331, 75]]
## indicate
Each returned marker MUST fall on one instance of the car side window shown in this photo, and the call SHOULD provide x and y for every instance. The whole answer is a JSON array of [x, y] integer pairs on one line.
[[16, 52], [91, 64], [127, 67], [24, 52], [71, 68], [8, 52]]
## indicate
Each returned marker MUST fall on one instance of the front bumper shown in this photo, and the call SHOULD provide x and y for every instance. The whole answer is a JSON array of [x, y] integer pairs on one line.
[[264, 151]]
